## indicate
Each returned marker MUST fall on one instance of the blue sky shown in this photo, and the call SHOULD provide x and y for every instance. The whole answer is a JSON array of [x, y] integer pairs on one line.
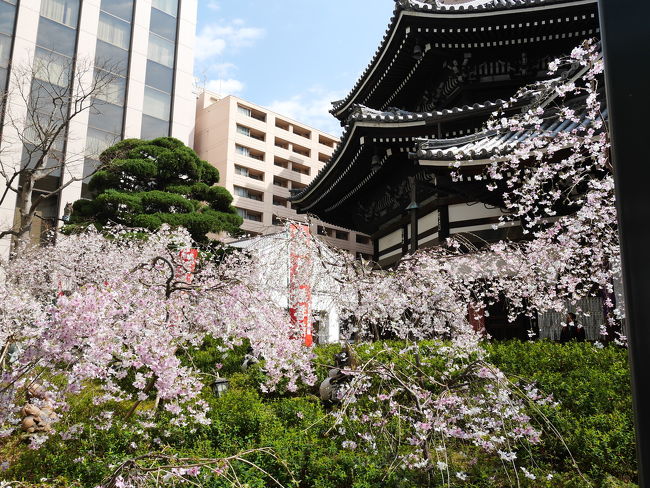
[[292, 56]]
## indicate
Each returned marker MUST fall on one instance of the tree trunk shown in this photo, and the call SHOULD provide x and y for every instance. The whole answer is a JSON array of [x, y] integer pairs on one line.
[[23, 204]]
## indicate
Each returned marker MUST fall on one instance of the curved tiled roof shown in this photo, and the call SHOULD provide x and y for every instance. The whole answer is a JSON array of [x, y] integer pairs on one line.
[[471, 6], [434, 7], [488, 144], [361, 113]]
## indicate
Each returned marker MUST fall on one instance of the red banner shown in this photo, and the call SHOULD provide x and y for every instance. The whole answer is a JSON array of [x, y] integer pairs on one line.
[[188, 259], [300, 280]]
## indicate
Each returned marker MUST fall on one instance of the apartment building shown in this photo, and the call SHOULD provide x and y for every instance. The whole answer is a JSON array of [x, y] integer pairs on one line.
[[262, 157], [148, 47]]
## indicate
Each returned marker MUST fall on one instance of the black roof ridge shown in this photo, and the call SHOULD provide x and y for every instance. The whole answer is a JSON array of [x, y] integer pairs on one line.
[[487, 5]]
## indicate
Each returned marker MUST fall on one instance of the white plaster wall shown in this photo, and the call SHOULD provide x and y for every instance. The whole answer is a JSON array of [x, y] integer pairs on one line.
[[475, 228], [462, 211], [390, 240], [428, 222]]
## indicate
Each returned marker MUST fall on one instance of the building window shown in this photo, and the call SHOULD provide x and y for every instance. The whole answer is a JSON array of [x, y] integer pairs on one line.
[[281, 124], [244, 151], [282, 163], [114, 31], [361, 239], [281, 143], [248, 152], [105, 122], [163, 24], [64, 12], [7, 21], [249, 112], [277, 221], [249, 214], [159, 76], [326, 141], [56, 36], [302, 132], [343, 235], [277, 181], [156, 103], [168, 6], [249, 173], [248, 193], [247, 131], [300, 168], [303, 151], [279, 201], [122, 9], [161, 51], [325, 231]]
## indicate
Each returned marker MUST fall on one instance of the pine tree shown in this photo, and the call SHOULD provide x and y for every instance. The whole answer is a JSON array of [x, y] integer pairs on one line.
[[145, 184]]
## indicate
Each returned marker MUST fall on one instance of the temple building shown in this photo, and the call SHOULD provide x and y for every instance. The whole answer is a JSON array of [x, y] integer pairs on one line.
[[439, 73]]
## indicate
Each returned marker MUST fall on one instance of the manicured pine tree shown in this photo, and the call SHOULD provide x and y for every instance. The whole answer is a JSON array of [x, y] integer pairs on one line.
[[146, 184]]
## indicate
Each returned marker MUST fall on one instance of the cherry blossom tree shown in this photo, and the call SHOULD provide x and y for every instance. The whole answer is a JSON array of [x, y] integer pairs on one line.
[[115, 313], [558, 184], [93, 310]]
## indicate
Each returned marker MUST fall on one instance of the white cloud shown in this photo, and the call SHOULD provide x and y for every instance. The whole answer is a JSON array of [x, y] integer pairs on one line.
[[212, 5], [225, 87], [214, 39], [311, 107], [223, 70], [207, 47]]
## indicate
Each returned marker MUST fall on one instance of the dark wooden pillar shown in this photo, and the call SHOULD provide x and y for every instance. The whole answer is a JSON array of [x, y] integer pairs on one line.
[[626, 47], [443, 223], [375, 250], [413, 214]]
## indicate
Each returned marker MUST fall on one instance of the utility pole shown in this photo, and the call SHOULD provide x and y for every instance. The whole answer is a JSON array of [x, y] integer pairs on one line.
[[626, 49]]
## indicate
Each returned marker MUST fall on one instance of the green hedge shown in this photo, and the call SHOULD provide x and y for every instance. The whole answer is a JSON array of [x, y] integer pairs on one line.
[[595, 413], [593, 417]]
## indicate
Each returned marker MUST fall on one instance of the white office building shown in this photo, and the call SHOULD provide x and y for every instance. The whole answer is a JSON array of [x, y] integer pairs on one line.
[[147, 44]]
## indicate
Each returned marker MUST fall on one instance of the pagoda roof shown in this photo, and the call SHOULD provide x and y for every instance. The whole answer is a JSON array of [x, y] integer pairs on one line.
[[478, 148], [431, 12], [363, 118], [471, 6], [361, 113]]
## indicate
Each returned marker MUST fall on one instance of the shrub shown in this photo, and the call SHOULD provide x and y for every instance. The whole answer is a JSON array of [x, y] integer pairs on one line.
[[148, 183], [594, 418]]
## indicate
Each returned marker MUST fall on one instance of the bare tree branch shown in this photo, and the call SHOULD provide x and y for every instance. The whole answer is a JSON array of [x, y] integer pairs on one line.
[[45, 96]]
